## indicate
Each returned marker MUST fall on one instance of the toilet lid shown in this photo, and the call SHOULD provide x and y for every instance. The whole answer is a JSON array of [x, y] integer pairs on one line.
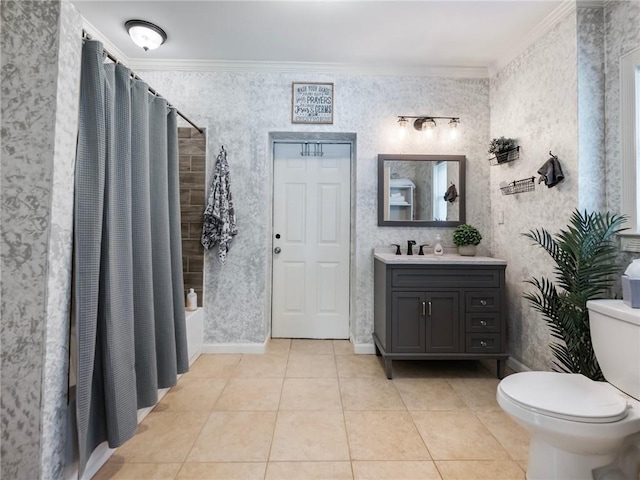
[[566, 396]]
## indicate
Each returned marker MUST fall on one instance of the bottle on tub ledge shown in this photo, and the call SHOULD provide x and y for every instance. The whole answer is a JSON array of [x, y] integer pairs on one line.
[[437, 246], [192, 300]]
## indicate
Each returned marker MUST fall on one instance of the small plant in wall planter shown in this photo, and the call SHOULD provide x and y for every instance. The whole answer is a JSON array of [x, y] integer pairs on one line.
[[500, 147], [466, 238]]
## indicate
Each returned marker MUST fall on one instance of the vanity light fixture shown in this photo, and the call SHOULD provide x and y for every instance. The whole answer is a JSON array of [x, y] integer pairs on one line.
[[145, 34], [426, 123]]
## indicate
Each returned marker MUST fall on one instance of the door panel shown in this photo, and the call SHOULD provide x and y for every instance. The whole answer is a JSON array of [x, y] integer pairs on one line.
[[443, 324], [312, 215], [295, 204], [294, 277], [328, 277], [407, 322], [329, 209]]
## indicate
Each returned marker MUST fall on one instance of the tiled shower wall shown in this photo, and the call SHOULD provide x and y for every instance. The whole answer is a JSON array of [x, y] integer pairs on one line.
[[192, 200]]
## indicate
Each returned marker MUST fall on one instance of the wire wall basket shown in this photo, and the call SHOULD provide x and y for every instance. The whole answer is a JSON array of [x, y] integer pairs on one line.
[[505, 157], [519, 186]]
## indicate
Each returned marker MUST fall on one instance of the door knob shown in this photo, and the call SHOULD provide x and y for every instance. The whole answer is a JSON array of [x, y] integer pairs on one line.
[[277, 250]]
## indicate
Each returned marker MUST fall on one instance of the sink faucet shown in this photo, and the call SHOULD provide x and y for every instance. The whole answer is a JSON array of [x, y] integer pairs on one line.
[[410, 245], [421, 252], [397, 248]]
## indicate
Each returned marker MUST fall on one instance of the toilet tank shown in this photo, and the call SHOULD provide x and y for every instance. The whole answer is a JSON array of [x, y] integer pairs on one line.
[[615, 335]]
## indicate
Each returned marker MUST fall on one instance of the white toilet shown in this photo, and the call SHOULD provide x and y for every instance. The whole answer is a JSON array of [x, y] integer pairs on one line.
[[576, 424]]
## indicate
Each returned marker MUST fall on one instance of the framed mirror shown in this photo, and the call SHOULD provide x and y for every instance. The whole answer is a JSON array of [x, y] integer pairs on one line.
[[421, 190]]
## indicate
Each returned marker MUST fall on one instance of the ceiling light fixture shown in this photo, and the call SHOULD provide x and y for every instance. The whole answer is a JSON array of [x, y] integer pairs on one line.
[[145, 34], [423, 122]]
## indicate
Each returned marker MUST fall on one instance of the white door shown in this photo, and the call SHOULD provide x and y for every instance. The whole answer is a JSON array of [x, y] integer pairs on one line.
[[311, 221]]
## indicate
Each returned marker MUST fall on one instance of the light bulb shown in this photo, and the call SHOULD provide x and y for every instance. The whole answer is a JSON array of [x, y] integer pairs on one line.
[[429, 124]]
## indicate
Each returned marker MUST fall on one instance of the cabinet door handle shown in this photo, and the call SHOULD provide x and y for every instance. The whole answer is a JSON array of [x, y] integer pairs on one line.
[[483, 323], [424, 309], [483, 344], [483, 303], [429, 308]]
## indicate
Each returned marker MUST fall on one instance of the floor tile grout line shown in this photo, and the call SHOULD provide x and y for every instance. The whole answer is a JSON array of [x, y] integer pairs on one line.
[[194, 441], [209, 415], [275, 423], [344, 420], [496, 438]]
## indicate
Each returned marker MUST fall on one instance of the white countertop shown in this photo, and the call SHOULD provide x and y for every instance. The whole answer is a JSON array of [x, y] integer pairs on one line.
[[432, 259]]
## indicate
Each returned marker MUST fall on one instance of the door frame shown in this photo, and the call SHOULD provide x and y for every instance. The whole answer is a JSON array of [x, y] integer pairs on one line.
[[301, 137]]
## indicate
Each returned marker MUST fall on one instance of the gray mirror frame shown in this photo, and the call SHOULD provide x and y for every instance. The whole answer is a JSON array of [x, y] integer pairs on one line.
[[461, 159]]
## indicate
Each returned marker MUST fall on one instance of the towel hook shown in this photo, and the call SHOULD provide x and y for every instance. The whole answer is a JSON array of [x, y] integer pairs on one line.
[[554, 156]]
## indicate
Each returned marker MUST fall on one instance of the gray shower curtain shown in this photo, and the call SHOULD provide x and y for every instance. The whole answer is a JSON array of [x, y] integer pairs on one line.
[[128, 285]]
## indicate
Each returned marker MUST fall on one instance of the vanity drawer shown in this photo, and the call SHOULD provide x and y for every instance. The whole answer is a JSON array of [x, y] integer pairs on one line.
[[445, 277], [482, 301], [483, 343], [483, 322]]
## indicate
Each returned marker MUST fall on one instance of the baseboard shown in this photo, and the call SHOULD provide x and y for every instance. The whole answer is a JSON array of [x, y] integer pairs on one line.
[[102, 452], [249, 348], [364, 349], [517, 366]]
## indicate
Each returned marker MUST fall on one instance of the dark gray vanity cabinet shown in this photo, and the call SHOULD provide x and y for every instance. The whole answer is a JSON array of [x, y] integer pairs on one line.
[[439, 311], [410, 333]]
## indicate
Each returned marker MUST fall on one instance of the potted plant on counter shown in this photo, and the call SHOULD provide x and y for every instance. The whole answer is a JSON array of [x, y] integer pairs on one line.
[[501, 147], [466, 237]]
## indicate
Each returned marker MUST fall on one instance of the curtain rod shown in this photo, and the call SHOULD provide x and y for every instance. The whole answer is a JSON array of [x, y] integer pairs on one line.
[[114, 59]]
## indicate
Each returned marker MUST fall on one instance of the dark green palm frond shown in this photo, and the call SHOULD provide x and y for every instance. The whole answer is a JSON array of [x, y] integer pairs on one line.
[[562, 362], [585, 264]]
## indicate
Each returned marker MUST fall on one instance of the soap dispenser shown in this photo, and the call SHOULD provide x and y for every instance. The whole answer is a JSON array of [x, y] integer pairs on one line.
[[192, 300], [437, 246]]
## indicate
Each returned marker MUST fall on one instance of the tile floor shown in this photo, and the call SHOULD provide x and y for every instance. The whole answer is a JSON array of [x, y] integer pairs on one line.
[[310, 409]]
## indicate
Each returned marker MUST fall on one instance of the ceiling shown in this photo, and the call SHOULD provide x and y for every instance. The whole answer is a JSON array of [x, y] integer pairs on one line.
[[373, 34]]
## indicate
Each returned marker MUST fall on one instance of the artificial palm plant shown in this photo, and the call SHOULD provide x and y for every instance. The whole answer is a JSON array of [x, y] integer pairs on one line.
[[585, 258]]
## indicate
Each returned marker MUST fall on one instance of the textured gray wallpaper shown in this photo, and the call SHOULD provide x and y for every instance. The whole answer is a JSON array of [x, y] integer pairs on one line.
[[29, 69], [39, 108], [241, 109], [562, 94], [622, 35], [54, 396], [534, 99], [591, 174]]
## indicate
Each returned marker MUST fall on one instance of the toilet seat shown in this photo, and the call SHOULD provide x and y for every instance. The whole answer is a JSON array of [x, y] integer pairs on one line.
[[565, 396]]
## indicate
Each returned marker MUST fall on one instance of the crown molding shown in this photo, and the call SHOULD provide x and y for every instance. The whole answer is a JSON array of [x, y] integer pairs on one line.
[[592, 3], [96, 34], [563, 10], [305, 67], [179, 65]]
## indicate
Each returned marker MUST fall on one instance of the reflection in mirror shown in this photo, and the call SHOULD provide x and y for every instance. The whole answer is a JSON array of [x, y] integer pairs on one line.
[[421, 190]]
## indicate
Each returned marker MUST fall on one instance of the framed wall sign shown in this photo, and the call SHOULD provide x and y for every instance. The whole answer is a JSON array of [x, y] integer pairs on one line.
[[312, 103]]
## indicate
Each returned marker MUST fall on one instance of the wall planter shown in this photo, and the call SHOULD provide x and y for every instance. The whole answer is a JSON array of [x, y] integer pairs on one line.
[[505, 156]]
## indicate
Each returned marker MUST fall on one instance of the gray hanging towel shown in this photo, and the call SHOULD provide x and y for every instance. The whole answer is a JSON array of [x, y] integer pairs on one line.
[[219, 224], [551, 172], [451, 194]]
